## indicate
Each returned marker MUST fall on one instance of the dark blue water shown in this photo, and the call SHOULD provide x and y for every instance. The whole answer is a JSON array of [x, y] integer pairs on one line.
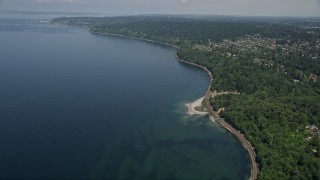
[[78, 105]]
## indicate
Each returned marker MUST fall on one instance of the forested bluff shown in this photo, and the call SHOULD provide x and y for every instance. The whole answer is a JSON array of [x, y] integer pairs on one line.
[[271, 66]]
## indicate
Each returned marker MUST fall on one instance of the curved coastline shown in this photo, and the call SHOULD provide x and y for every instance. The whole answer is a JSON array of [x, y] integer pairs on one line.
[[131, 37], [218, 120]]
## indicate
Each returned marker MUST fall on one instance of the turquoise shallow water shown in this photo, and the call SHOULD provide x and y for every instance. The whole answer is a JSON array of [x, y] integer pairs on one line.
[[78, 105]]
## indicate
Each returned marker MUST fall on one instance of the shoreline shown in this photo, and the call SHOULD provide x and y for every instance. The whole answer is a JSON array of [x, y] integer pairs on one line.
[[217, 119], [220, 121], [131, 37], [192, 107]]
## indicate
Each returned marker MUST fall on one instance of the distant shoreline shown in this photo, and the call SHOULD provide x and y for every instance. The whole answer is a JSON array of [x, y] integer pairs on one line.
[[131, 37], [218, 120]]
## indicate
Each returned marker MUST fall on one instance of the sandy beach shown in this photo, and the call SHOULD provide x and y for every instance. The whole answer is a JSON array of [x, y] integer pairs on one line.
[[216, 119], [193, 107]]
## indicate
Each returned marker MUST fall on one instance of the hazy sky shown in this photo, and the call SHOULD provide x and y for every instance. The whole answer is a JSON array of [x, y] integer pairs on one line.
[[215, 7]]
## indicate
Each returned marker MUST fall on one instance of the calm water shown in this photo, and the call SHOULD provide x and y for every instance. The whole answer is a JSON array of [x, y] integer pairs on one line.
[[78, 105]]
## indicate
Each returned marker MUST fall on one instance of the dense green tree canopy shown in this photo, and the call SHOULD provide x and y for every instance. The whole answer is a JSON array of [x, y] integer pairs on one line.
[[273, 62]]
